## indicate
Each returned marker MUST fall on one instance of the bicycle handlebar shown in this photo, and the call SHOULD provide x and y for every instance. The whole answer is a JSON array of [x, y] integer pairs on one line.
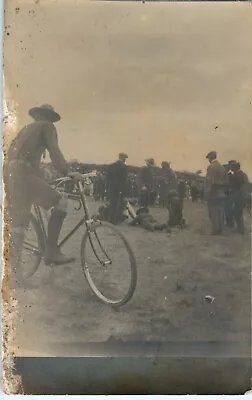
[[69, 178]]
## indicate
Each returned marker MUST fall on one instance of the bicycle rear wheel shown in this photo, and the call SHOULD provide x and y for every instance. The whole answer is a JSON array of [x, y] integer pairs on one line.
[[109, 264], [32, 249]]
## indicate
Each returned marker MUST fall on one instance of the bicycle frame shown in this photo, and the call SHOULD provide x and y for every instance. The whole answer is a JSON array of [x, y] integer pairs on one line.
[[87, 220], [83, 221]]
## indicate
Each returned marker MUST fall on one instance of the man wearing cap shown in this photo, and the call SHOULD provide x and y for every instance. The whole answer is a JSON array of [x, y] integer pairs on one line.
[[26, 185], [215, 187], [116, 188]]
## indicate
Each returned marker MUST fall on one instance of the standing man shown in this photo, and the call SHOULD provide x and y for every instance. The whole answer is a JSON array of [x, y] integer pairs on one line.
[[215, 187], [148, 183], [169, 176], [229, 201], [162, 184], [238, 195], [116, 188], [171, 192]]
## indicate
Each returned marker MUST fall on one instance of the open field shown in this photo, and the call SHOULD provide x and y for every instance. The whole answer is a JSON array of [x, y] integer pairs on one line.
[[175, 273]]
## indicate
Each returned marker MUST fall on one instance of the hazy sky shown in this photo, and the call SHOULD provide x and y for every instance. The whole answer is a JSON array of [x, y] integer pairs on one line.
[[151, 79]]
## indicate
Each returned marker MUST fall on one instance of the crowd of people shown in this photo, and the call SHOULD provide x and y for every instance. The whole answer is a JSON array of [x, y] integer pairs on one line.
[[226, 190], [150, 187]]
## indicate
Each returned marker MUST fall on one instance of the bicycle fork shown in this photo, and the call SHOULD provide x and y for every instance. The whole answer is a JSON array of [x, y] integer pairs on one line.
[[91, 225]]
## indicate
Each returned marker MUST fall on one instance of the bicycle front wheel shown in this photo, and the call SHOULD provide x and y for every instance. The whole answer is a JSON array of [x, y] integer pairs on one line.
[[109, 264]]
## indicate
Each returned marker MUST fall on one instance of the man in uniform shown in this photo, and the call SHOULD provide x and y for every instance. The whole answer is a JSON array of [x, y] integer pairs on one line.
[[25, 185], [215, 187], [116, 188]]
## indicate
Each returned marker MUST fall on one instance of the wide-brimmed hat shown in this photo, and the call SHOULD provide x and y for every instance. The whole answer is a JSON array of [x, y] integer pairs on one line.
[[47, 111]]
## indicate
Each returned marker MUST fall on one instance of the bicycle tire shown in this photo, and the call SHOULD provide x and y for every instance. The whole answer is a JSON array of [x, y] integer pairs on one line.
[[39, 252], [133, 267]]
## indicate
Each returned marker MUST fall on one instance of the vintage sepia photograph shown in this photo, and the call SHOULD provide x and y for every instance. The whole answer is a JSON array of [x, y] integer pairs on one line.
[[127, 179]]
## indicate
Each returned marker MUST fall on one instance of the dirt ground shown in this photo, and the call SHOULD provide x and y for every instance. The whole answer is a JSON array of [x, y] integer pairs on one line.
[[175, 273]]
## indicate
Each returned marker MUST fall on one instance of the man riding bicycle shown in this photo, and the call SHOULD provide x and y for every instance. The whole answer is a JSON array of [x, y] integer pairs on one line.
[[25, 184]]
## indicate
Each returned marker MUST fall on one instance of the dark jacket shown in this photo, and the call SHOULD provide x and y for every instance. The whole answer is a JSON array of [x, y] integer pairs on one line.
[[117, 179], [170, 179], [239, 181], [149, 178]]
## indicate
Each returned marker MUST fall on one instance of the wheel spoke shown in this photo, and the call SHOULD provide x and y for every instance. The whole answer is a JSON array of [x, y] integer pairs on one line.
[[109, 264], [92, 243]]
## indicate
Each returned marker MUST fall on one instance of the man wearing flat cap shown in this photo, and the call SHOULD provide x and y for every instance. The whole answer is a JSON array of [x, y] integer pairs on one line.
[[25, 184], [116, 188], [215, 187]]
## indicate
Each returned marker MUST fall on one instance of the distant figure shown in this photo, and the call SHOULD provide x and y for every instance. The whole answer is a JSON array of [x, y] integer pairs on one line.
[[132, 191], [148, 183], [238, 194], [162, 190], [146, 221], [187, 190], [175, 193], [175, 208], [169, 176], [116, 188], [167, 182], [181, 191], [99, 187], [215, 187]]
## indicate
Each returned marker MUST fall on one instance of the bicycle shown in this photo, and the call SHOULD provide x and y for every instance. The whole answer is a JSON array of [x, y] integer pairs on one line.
[[94, 239]]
